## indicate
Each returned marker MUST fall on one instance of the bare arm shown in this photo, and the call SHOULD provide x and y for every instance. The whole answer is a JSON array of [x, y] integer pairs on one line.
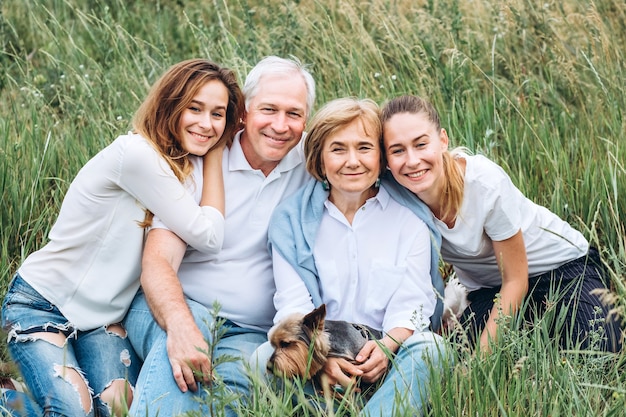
[[513, 263], [213, 180], [162, 256]]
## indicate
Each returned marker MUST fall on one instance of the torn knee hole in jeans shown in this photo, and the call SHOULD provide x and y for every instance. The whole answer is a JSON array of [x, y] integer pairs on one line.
[[116, 329], [77, 380], [55, 334], [118, 392]]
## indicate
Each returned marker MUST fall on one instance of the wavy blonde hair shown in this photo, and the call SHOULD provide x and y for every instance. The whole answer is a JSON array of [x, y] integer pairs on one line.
[[334, 116]]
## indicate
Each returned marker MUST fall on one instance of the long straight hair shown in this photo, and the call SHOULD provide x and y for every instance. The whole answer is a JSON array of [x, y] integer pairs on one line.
[[453, 181]]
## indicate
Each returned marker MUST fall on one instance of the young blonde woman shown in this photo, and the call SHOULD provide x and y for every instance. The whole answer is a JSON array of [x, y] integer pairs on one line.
[[498, 241], [64, 306]]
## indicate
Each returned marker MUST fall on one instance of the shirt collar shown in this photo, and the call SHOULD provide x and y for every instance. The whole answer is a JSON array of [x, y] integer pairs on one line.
[[382, 198], [237, 160]]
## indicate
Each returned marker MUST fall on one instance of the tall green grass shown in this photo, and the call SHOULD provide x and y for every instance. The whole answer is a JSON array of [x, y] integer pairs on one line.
[[537, 86]]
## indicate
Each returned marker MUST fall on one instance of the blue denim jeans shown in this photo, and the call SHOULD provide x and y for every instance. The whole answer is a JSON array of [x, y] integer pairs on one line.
[[157, 392], [405, 389], [17, 404], [99, 356]]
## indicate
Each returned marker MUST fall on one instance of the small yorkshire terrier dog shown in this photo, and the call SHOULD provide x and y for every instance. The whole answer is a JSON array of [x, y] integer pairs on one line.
[[302, 343]]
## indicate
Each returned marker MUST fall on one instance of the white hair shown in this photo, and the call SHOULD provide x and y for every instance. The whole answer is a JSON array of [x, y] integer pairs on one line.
[[273, 65]]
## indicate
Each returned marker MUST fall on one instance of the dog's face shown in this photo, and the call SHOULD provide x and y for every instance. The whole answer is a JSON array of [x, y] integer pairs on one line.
[[300, 345]]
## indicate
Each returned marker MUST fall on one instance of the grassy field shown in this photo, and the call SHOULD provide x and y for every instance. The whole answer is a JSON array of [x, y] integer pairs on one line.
[[537, 86]]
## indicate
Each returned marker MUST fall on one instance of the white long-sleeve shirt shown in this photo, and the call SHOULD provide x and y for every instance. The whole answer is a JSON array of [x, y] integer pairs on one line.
[[375, 271], [90, 268]]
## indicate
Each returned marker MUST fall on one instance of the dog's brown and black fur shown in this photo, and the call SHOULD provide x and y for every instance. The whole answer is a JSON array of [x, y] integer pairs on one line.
[[303, 343]]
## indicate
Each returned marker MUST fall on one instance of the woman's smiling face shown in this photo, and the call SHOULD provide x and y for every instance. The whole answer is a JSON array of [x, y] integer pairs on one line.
[[351, 160], [203, 122], [414, 148]]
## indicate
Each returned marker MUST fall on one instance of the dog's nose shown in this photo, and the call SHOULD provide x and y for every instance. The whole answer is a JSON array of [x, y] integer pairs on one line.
[[270, 366]]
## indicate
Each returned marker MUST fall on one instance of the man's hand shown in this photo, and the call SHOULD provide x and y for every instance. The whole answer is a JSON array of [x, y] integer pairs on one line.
[[186, 347], [188, 354]]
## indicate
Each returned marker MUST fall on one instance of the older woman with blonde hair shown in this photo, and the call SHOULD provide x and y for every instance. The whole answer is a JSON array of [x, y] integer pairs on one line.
[[363, 254]]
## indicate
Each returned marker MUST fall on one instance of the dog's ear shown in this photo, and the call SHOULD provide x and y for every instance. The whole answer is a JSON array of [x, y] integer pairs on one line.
[[315, 319]]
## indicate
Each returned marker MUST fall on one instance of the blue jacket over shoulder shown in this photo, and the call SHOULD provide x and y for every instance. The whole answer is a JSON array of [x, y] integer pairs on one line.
[[295, 222]]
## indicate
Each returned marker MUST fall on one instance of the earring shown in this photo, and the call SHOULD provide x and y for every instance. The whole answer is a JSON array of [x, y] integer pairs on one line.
[[325, 185], [377, 183]]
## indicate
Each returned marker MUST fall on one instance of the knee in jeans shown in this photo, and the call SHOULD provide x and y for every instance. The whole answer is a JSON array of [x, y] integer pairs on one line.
[[116, 329], [75, 377], [117, 396]]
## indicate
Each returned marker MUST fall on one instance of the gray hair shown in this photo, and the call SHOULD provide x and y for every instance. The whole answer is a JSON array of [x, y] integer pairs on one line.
[[273, 65]]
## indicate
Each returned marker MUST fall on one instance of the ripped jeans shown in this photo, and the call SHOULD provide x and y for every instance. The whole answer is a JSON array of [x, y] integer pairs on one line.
[[52, 371]]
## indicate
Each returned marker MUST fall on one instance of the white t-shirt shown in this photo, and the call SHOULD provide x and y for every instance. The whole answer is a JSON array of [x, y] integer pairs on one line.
[[240, 276], [374, 272], [90, 267], [494, 209]]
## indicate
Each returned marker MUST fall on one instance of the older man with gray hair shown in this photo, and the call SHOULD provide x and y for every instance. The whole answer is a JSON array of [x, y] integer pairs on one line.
[[169, 322]]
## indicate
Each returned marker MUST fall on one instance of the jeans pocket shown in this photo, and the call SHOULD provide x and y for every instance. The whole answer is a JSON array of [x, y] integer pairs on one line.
[[21, 301], [20, 292]]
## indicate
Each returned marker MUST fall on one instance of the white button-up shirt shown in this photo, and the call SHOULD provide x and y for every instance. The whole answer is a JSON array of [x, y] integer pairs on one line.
[[375, 271]]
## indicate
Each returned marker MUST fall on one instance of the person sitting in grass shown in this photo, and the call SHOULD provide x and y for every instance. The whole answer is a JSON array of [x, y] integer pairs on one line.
[[344, 241], [503, 246], [170, 321], [64, 307]]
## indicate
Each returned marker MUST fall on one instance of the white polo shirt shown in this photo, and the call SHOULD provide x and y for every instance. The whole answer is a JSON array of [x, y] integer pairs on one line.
[[240, 277]]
